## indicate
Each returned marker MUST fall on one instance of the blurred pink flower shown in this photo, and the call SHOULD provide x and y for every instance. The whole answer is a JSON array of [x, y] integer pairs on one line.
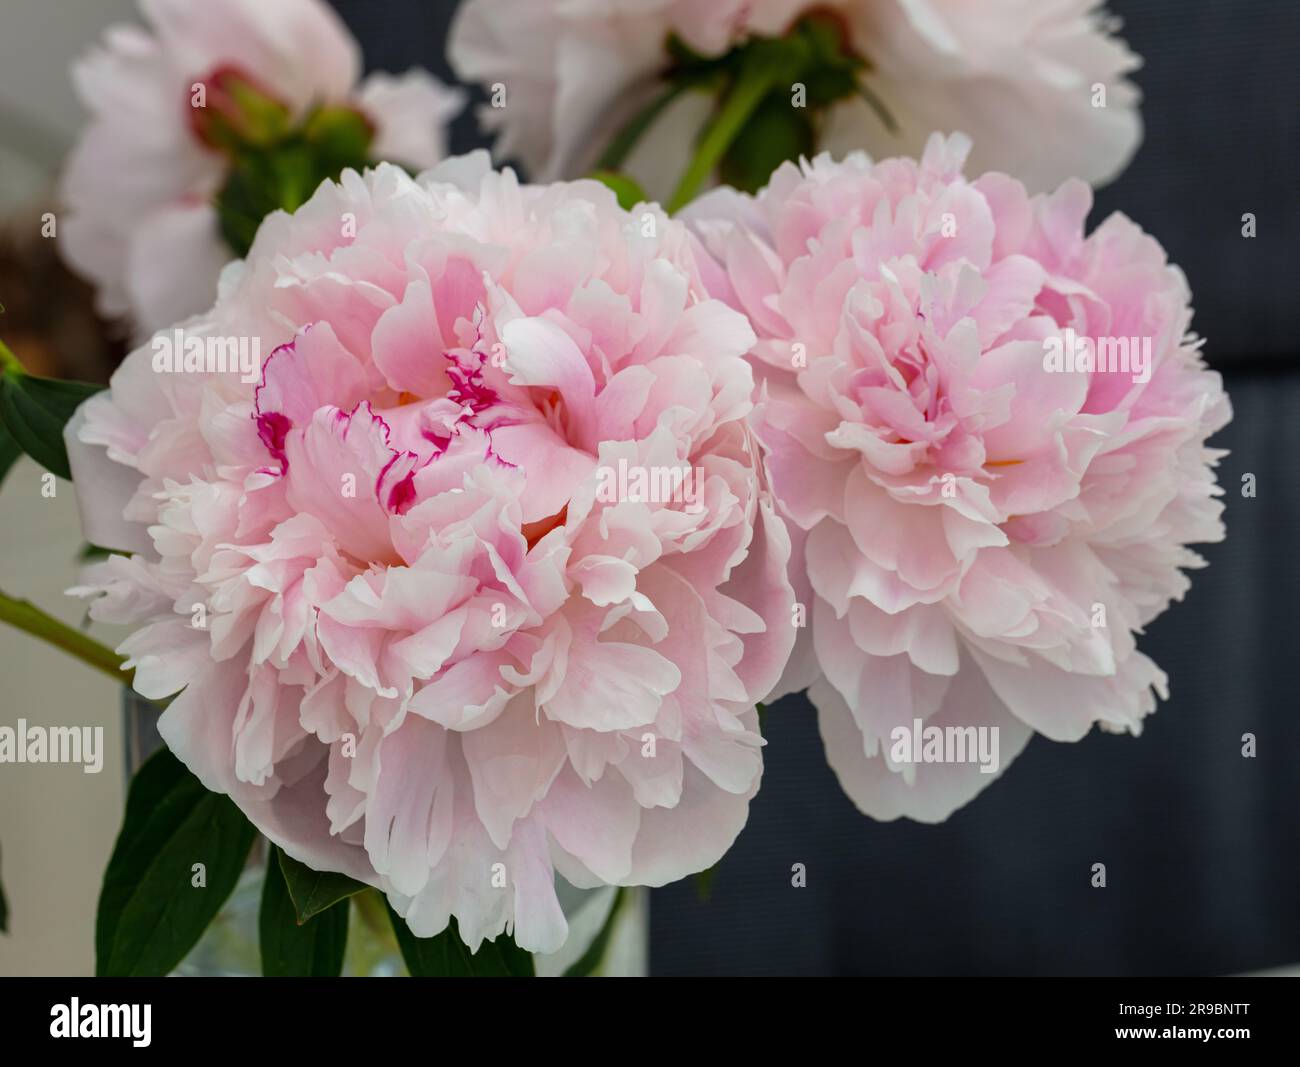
[[442, 651], [983, 523], [1018, 76], [140, 184]]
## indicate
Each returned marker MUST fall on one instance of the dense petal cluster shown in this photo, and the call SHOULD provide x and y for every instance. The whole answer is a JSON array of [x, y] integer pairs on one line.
[[988, 430], [1042, 88], [139, 186], [440, 618]]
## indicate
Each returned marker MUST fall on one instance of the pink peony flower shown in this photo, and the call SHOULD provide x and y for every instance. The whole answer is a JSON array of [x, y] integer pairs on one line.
[[1019, 76], [140, 185], [452, 641], [983, 523]]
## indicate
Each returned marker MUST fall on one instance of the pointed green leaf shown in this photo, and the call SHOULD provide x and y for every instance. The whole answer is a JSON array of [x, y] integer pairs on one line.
[[33, 412], [314, 891], [293, 948], [9, 451], [150, 912]]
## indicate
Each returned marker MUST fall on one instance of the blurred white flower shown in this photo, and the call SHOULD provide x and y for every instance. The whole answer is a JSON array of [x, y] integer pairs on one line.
[[140, 186], [1039, 85]]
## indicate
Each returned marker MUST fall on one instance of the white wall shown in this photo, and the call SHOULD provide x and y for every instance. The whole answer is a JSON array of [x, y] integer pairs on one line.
[[39, 115], [57, 824]]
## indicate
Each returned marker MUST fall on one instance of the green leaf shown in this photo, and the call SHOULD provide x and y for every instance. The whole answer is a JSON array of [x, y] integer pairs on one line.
[[447, 956], [314, 891], [626, 189], [281, 178], [340, 136], [281, 173], [150, 912], [4, 912], [292, 947], [775, 132], [9, 451], [595, 954], [262, 181], [831, 69], [34, 411]]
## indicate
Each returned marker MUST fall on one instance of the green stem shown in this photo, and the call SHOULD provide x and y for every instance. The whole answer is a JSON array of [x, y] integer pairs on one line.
[[755, 80], [28, 617]]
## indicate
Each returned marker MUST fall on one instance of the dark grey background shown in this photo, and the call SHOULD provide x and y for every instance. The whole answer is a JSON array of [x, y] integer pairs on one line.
[[1201, 846]]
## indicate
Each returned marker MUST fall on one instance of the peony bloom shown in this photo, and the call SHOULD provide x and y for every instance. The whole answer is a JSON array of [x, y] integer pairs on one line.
[[988, 432], [434, 627], [141, 184], [1019, 76]]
